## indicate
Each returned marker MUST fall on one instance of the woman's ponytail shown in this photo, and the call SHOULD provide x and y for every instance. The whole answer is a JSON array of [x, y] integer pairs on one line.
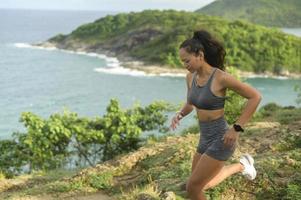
[[213, 50]]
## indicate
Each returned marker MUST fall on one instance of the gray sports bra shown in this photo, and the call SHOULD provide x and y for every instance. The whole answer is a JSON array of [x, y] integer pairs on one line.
[[202, 96]]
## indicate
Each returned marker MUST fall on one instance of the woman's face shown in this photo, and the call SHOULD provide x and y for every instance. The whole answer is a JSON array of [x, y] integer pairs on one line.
[[191, 61]]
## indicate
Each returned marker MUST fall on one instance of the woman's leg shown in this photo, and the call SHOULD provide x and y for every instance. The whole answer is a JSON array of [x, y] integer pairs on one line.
[[223, 174], [195, 160], [205, 169], [226, 171]]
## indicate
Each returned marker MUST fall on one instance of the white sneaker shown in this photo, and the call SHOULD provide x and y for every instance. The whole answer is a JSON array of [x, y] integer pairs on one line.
[[249, 170]]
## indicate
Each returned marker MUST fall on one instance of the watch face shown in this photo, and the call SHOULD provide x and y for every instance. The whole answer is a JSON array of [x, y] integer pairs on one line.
[[238, 128]]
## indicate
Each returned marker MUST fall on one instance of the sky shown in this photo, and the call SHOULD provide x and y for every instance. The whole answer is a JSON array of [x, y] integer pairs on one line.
[[104, 5]]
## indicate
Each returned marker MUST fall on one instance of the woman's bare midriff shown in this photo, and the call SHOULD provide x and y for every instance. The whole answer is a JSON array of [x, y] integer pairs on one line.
[[209, 115]]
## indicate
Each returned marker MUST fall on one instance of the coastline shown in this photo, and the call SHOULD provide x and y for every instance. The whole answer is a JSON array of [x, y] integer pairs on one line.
[[129, 64], [161, 70]]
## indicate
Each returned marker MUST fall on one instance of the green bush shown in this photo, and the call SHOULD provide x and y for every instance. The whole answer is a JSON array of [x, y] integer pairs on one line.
[[287, 116], [52, 143], [269, 109], [297, 88], [234, 102], [101, 181], [191, 129]]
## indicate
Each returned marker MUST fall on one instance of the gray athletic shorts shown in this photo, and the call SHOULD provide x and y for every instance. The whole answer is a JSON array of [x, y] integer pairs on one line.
[[211, 141]]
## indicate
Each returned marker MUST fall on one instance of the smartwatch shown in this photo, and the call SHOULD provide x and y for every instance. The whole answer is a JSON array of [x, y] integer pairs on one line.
[[238, 128]]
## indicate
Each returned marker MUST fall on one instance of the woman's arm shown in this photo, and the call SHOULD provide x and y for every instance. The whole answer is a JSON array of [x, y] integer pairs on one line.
[[185, 110], [246, 91]]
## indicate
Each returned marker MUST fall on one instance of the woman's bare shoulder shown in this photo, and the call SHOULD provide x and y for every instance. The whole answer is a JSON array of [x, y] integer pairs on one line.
[[189, 78], [224, 77], [221, 76]]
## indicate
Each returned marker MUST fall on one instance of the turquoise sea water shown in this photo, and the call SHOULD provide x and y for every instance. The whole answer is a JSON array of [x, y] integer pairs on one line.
[[45, 81]]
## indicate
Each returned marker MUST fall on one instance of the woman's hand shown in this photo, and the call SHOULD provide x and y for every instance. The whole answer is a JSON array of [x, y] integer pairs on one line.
[[230, 138], [175, 121]]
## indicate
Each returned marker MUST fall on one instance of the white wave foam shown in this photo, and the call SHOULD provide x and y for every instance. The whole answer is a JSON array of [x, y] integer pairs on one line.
[[113, 64], [111, 61], [257, 76], [22, 45], [122, 71], [26, 45], [267, 76], [172, 74], [126, 71], [281, 77]]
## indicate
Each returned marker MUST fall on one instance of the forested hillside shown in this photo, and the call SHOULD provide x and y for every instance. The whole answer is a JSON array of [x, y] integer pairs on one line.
[[154, 37], [278, 13]]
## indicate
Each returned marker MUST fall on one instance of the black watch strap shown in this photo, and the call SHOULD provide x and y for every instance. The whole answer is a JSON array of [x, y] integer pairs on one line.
[[238, 128]]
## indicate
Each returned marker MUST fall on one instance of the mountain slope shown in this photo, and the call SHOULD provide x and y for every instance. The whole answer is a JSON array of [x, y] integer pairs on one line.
[[278, 13]]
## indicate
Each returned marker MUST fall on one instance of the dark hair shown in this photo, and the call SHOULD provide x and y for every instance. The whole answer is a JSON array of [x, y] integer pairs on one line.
[[213, 50]]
